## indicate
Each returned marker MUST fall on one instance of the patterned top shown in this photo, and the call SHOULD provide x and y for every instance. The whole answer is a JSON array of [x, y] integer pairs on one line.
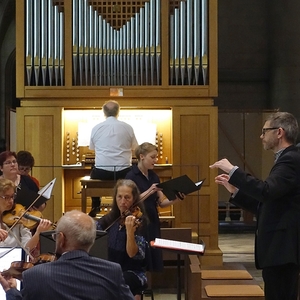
[[117, 251]]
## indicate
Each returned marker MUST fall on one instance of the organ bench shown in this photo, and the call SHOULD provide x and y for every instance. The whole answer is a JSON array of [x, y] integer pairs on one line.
[[95, 188]]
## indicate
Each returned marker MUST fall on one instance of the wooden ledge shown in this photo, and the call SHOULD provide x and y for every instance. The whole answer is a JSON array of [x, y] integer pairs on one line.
[[234, 290], [225, 274]]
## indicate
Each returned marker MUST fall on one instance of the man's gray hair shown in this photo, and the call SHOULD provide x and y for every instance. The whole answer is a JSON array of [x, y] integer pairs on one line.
[[78, 228], [287, 122]]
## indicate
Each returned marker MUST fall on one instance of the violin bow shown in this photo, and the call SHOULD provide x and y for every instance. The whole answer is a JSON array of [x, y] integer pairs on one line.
[[133, 205], [25, 211], [20, 244], [7, 251]]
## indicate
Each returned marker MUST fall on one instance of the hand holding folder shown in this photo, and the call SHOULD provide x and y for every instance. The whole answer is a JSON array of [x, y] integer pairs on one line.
[[182, 184]]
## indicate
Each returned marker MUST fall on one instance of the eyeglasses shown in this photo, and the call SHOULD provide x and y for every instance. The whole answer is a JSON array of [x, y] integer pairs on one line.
[[10, 162], [7, 198], [25, 169], [264, 130], [54, 235]]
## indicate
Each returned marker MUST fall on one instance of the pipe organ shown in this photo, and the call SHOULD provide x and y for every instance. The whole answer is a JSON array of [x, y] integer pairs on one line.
[[149, 55], [117, 43]]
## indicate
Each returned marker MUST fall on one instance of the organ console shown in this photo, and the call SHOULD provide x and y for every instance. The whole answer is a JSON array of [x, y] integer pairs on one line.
[[114, 45]]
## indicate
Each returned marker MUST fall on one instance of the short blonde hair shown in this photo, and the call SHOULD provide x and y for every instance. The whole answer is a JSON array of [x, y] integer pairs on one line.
[[144, 149]]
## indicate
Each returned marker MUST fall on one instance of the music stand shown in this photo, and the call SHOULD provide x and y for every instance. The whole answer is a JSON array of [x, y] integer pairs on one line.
[[99, 249], [179, 248]]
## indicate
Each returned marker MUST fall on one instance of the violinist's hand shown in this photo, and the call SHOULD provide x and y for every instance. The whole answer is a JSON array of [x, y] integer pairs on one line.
[[222, 164], [3, 235], [8, 282], [223, 180], [44, 225], [131, 224]]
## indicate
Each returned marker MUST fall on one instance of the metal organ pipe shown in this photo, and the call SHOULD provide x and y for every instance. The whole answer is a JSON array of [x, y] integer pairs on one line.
[[196, 39], [44, 22], [28, 45], [157, 42], [36, 39], [75, 41], [189, 40], [189, 45], [105, 54], [204, 44]]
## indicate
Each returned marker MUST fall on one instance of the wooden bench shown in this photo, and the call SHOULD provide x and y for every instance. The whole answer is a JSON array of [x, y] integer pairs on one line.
[[95, 188], [232, 281]]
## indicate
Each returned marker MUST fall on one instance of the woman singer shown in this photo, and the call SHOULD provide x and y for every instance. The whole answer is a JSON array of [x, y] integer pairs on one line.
[[146, 180]]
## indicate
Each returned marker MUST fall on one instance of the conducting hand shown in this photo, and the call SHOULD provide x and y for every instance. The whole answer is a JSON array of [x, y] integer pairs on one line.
[[223, 180], [222, 164]]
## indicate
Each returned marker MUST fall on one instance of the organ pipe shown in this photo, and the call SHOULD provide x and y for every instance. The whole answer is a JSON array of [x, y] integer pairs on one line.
[[107, 52]]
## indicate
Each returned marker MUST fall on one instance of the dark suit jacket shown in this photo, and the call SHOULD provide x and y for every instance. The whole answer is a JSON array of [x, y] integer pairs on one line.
[[276, 201], [75, 275]]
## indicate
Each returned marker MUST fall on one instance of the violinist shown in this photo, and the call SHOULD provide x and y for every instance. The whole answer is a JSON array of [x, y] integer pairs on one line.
[[126, 243], [75, 274], [20, 232]]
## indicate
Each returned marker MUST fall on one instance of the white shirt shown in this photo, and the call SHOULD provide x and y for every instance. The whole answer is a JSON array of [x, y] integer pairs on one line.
[[21, 232], [113, 141]]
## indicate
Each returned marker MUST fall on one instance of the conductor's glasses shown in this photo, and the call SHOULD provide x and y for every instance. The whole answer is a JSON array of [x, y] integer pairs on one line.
[[264, 130]]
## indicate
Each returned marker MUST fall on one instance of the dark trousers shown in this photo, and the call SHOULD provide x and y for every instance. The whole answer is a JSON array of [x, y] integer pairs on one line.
[[133, 282], [281, 282], [106, 175]]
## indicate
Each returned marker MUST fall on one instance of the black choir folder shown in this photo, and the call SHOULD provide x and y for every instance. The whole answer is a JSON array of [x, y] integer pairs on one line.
[[178, 246], [182, 184]]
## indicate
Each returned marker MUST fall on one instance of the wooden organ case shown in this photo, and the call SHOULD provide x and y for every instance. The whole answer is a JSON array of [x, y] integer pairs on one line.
[[147, 55]]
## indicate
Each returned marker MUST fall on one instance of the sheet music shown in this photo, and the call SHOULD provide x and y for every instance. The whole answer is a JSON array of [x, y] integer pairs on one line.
[[177, 245], [46, 191], [198, 183]]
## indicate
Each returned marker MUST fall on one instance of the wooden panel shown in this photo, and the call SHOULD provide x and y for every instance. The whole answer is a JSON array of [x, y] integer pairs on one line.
[[195, 144], [194, 208], [39, 131], [73, 187]]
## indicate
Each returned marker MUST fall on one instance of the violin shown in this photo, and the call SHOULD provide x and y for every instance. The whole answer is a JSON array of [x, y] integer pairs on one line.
[[44, 258], [134, 211], [30, 218], [18, 267]]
